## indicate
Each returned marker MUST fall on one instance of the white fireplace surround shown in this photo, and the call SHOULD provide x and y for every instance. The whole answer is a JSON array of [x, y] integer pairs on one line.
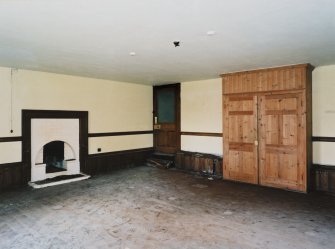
[[44, 131]]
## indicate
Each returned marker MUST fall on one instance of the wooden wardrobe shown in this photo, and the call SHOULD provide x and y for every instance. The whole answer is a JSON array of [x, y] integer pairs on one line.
[[267, 126]]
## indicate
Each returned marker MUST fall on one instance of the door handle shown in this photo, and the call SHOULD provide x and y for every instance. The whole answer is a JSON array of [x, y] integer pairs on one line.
[[256, 143]]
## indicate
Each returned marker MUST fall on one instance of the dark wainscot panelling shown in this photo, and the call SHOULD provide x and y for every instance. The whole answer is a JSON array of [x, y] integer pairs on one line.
[[13, 175], [324, 178], [324, 175], [110, 161], [199, 162]]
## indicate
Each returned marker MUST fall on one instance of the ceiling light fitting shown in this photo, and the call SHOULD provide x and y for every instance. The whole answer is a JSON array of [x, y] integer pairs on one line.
[[211, 32], [176, 43]]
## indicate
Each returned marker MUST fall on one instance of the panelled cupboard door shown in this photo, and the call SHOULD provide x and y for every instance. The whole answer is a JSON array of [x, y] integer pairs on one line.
[[240, 138], [282, 144]]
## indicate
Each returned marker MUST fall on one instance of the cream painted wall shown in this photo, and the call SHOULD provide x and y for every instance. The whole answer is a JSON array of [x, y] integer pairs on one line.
[[112, 106], [201, 111], [5, 95], [10, 152], [324, 113], [210, 145]]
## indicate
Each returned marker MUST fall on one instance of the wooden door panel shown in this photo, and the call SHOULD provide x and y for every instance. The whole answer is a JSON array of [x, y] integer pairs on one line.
[[239, 166], [272, 129], [290, 130], [239, 130], [281, 129], [161, 138], [282, 144], [172, 137], [281, 167], [279, 104], [240, 133], [165, 141]]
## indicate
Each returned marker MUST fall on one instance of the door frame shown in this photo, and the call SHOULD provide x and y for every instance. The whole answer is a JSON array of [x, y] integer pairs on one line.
[[176, 87]]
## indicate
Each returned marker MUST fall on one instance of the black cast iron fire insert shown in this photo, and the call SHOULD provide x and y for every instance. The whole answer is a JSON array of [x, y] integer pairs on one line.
[[53, 156]]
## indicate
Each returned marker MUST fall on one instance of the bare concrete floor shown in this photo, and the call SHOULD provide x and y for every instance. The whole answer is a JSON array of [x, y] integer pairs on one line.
[[152, 208]]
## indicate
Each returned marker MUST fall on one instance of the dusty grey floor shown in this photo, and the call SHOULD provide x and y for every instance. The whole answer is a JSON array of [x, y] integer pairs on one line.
[[153, 208]]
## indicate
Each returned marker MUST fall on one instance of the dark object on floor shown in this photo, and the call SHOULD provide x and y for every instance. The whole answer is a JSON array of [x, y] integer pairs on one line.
[[160, 163], [161, 160]]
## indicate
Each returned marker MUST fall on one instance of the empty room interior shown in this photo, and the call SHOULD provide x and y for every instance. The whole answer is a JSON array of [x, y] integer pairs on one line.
[[167, 124]]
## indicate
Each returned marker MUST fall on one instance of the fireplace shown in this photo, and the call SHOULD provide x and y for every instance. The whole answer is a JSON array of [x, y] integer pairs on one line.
[[54, 148]]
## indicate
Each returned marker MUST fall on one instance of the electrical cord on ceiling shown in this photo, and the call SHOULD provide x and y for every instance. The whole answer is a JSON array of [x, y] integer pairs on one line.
[[11, 99]]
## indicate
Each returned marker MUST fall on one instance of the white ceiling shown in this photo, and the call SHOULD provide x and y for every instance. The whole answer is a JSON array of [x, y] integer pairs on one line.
[[93, 38]]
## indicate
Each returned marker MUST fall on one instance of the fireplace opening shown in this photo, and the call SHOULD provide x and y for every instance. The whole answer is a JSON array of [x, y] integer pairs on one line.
[[53, 157]]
